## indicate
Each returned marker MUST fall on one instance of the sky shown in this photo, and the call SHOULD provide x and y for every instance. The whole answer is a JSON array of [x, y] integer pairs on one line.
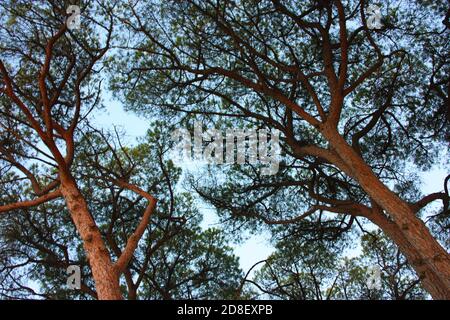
[[256, 247]]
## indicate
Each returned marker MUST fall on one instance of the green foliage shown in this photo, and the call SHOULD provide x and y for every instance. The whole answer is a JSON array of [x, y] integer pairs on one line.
[[175, 257], [321, 271]]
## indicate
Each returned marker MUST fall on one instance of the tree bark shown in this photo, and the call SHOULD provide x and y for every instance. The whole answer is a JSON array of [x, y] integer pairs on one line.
[[428, 258], [105, 275]]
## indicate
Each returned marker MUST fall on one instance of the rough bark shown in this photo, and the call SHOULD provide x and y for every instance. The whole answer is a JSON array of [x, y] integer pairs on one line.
[[428, 258], [105, 274]]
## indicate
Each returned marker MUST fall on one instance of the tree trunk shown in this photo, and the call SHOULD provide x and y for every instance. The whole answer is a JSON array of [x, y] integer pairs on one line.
[[428, 258], [105, 275]]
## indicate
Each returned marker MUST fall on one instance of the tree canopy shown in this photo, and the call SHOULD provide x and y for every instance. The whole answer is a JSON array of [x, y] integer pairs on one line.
[[360, 111]]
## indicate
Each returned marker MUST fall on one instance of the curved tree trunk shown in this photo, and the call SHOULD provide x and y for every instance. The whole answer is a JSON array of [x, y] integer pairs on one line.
[[104, 273], [428, 258]]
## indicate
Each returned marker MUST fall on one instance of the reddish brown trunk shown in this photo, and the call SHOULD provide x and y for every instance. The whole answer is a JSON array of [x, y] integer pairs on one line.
[[105, 275], [132, 294], [428, 279], [424, 253]]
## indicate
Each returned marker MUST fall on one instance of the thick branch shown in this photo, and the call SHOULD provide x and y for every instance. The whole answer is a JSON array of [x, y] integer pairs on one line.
[[31, 203], [133, 240]]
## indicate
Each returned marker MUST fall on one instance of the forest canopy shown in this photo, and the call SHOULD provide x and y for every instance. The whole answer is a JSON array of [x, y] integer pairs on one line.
[[347, 101]]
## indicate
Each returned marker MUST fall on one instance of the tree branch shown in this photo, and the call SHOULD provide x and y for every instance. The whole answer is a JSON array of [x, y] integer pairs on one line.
[[31, 203]]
